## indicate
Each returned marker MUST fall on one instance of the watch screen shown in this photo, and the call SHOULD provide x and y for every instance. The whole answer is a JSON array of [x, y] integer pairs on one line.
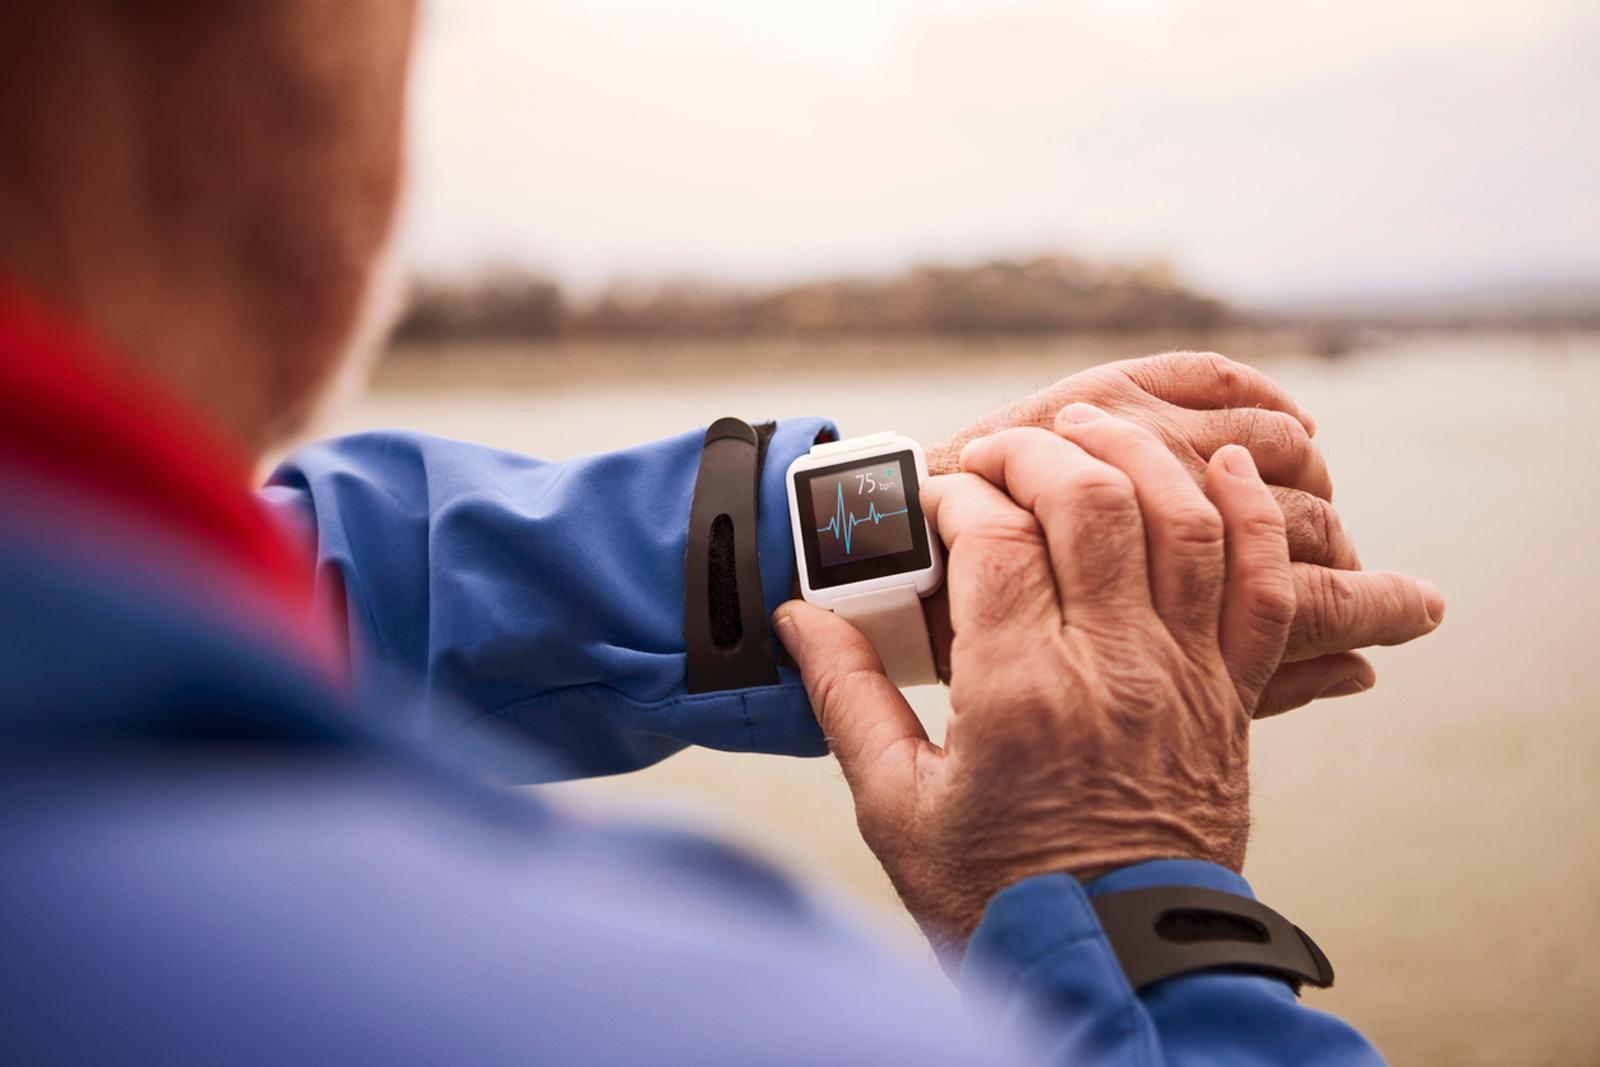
[[865, 512], [861, 519]]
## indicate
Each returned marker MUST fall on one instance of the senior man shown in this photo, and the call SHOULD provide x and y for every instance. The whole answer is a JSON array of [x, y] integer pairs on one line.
[[244, 736]]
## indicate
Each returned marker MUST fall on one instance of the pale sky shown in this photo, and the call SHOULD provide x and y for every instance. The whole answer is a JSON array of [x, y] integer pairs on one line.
[[1271, 148]]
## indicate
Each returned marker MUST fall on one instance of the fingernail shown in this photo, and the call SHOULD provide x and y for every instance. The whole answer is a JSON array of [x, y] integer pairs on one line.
[[1238, 462], [1348, 687], [1081, 412], [1432, 601], [783, 625]]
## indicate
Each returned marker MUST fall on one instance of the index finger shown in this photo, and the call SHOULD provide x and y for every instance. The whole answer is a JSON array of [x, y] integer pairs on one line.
[[1205, 381], [1089, 512], [998, 571]]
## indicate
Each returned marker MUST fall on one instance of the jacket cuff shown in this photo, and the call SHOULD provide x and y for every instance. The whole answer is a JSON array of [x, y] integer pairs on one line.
[[1042, 932], [776, 718], [791, 439], [782, 715], [1148, 875]]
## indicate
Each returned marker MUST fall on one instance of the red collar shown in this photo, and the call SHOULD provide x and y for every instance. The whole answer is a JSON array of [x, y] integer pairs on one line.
[[73, 412]]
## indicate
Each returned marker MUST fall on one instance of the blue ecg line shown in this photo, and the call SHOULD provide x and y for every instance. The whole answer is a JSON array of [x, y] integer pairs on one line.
[[849, 522]]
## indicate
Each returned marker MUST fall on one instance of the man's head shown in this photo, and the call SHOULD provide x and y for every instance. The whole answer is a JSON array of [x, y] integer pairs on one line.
[[208, 183]]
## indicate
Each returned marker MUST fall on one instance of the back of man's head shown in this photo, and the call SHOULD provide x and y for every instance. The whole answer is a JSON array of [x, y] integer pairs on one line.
[[207, 183]]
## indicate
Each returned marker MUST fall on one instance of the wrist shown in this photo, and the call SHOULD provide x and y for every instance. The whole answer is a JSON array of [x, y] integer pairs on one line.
[[962, 911], [1088, 847]]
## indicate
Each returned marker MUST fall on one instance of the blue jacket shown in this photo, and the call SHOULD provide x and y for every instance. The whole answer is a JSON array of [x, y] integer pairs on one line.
[[214, 853]]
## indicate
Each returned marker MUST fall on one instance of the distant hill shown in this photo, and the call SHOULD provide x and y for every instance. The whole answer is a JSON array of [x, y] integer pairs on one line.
[[1554, 303], [1037, 295]]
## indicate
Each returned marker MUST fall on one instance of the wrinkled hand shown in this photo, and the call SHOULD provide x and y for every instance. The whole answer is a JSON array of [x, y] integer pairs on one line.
[[1108, 652], [1195, 403]]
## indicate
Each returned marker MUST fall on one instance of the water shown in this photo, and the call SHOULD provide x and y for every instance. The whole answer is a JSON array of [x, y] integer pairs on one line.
[[1438, 836]]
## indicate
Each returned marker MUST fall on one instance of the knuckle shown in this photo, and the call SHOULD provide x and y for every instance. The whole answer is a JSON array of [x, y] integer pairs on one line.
[[1023, 437], [1002, 531], [1397, 599], [1229, 377], [1330, 530], [1323, 521], [1271, 434], [1196, 527], [1222, 374], [1264, 525], [1273, 603], [1150, 372], [1093, 487], [1313, 527], [1334, 603], [831, 684]]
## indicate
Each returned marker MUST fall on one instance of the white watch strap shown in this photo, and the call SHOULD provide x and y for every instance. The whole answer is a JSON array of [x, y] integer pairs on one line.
[[892, 620]]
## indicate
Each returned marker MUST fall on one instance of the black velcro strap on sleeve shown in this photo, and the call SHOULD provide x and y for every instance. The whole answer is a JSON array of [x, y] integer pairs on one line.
[[724, 612], [1164, 932]]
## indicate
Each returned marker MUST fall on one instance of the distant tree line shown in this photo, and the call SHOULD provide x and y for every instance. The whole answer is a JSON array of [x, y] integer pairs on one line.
[[1037, 295]]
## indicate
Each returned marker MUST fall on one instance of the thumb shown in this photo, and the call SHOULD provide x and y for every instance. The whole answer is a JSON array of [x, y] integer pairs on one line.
[[871, 729]]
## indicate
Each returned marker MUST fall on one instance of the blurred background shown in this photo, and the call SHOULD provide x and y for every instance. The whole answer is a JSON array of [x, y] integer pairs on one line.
[[628, 218]]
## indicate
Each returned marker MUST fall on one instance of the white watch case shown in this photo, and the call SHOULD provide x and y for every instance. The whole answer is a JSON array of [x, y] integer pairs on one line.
[[860, 449]]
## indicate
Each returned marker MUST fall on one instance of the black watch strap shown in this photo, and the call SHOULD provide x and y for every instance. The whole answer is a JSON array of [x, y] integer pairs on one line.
[[725, 628], [1171, 930]]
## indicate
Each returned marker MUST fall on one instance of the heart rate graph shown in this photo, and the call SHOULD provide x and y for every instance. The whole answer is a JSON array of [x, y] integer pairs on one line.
[[843, 524]]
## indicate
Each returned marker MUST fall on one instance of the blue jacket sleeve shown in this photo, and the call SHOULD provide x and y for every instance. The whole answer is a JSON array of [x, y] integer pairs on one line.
[[1040, 961], [546, 596]]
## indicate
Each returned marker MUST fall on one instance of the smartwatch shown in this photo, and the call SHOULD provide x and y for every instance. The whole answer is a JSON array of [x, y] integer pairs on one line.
[[864, 548]]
